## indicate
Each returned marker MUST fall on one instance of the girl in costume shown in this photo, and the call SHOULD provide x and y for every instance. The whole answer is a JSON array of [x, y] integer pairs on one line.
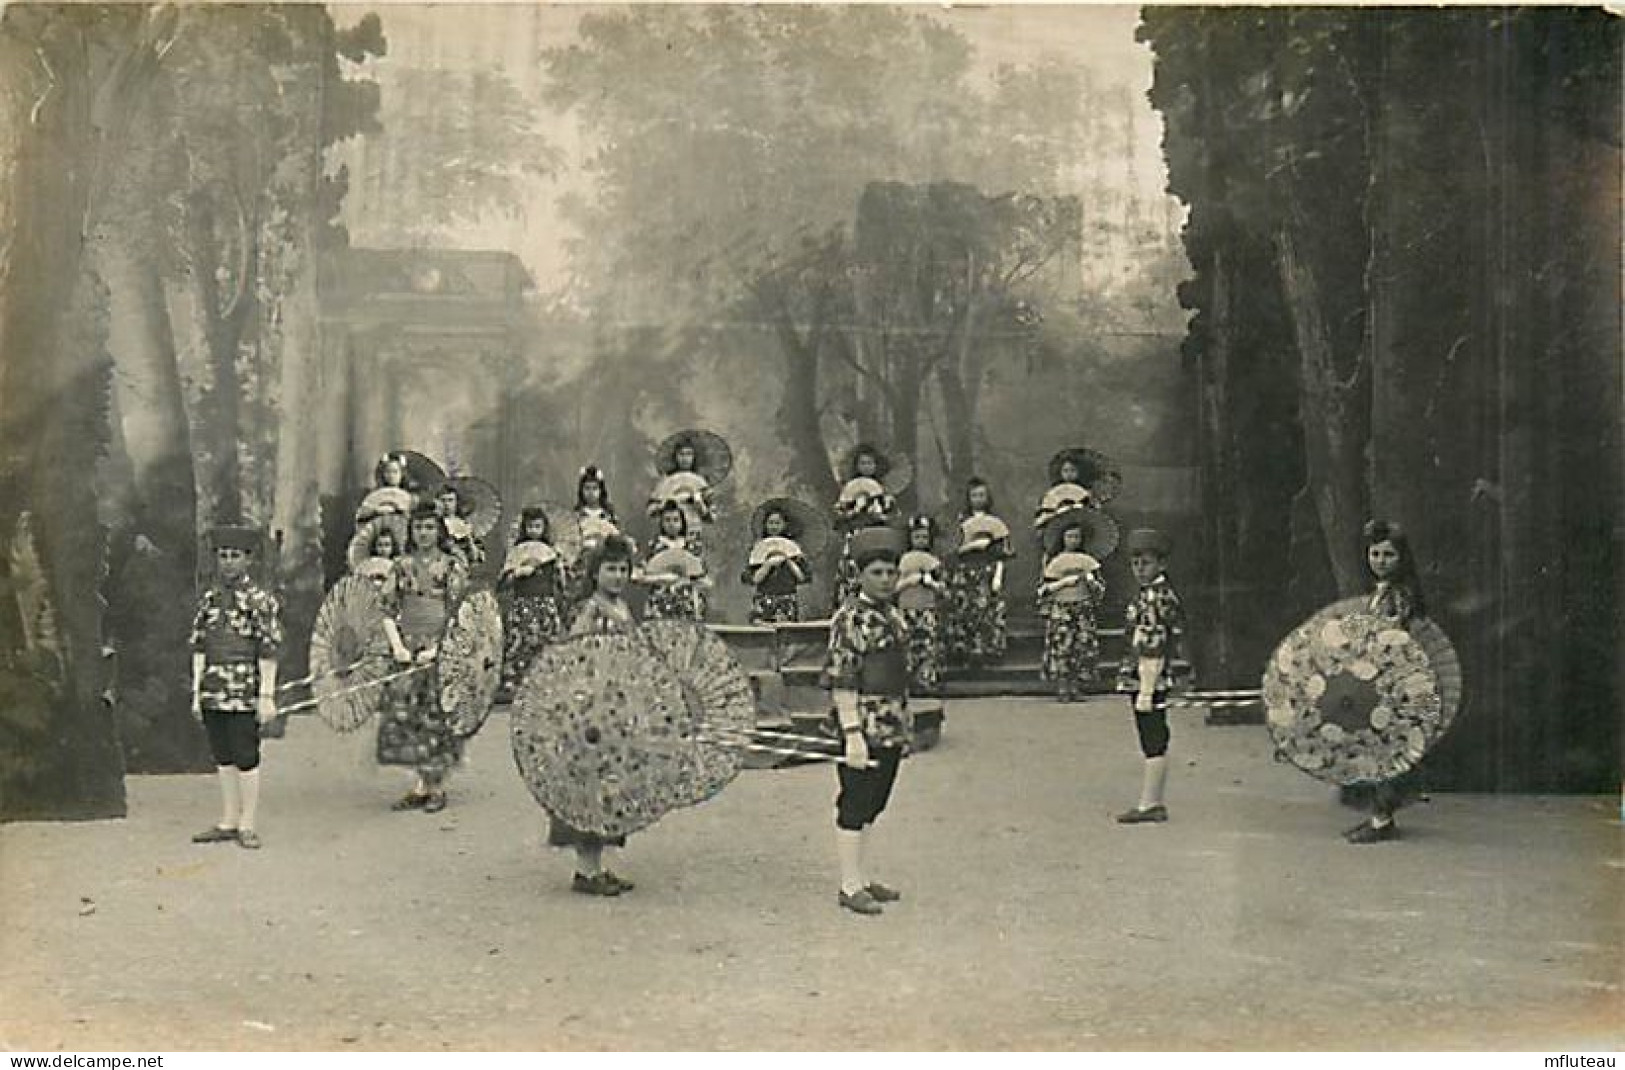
[[682, 483], [604, 612], [674, 572], [977, 614], [596, 517], [1069, 591], [1396, 596], [863, 503], [533, 577], [1066, 492], [777, 567], [459, 532], [392, 494], [412, 730], [920, 591]]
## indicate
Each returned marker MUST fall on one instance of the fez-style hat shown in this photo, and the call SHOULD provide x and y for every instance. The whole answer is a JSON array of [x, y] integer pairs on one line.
[[234, 537], [1149, 540], [876, 543]]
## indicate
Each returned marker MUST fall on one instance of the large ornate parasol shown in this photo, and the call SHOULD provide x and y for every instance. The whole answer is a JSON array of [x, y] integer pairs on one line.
[[808, 526], [1353, 697], [478, 501], [611, 732], [422, 474], [1100, 532], [468, 669], [360, 547], [712, 457], [894, 470], [349, 654], [1096, 471]]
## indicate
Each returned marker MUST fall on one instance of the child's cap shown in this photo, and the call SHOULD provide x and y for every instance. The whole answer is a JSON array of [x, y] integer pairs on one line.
[[874, 544], [1148, 540]]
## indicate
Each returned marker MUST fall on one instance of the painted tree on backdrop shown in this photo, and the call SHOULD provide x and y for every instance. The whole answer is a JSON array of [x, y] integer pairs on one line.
[[1384, 266], [736, 147], [136, 189]]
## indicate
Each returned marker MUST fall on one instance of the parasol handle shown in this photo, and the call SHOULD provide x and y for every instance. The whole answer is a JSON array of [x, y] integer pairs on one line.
[[312, 703]]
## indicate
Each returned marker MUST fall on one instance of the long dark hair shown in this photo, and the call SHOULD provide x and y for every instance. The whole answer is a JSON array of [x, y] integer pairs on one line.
[[970, 485], [660, 520], [426, 511], [1405, 574], [526, 515], [593, 474], [613, 548]]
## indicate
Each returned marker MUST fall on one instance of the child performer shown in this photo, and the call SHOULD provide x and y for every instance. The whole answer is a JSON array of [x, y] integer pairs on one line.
[[596, 517], [776, 568], [920, 588], [1069, 590], [1065, 494], [392, 493], [532, 575], [1396, 595], [460, 533], [868, 678], [1156, 625], [863, 503], [976, 623], [674, 572], [608, 566], [412, 729], [682, 483], [236, 633]]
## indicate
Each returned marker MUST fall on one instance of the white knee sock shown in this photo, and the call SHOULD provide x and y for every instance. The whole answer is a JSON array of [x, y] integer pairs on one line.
[[849, 848], [865, 841], [231, 801], [1154, 782], [251, 797]]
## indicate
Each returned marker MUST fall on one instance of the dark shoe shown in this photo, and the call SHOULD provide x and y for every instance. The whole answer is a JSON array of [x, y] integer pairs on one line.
[[860, 902], [435, 803], [1369, 833], [248, 838], [410, 801], [1149, 815], [594, 885], [621, 883], [882, 894], [215, 834]]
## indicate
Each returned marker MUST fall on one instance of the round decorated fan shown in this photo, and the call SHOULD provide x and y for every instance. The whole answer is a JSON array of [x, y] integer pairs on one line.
[[1102, 475], [563, 531], [856, 490], [1070, 564], [983, 526], [808, 526], [712, 458], [361, 543], [607, 738], [685, 488], [777, 544], [478, 502], [349, 653], [1101, 533], [895, 471], [595, 529], [1351, 697], [916, 596], [532, 554], [468, 669], [1063, 498]]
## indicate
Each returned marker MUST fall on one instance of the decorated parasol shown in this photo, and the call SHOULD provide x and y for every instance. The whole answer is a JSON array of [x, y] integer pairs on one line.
[[894, 470], [807, 526], [1353, 697], [712, 458], [478, 502], [609, 735], [384, 501], [1100, 532], [422, 474], [349, 651], [1096, 471], [360, 548], [468, 668]]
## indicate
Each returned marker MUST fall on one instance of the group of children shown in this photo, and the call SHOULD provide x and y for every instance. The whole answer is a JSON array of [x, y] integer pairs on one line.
[[902, 610]]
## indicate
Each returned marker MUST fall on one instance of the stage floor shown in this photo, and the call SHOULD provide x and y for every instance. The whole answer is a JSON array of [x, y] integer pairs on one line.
[[1031, 920]]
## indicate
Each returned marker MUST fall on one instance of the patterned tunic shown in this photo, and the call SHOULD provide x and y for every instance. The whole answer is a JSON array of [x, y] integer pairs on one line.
[[977, 614], [1393, 602], [1155, 622], [681, 600], [776, 599], [868, 653], [234, 627], [413, 729], [919, 603]]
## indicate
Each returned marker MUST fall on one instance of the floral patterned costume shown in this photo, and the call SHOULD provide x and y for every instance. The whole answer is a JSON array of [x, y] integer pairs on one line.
[[535, 611], [977, 629], [413, 730]]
